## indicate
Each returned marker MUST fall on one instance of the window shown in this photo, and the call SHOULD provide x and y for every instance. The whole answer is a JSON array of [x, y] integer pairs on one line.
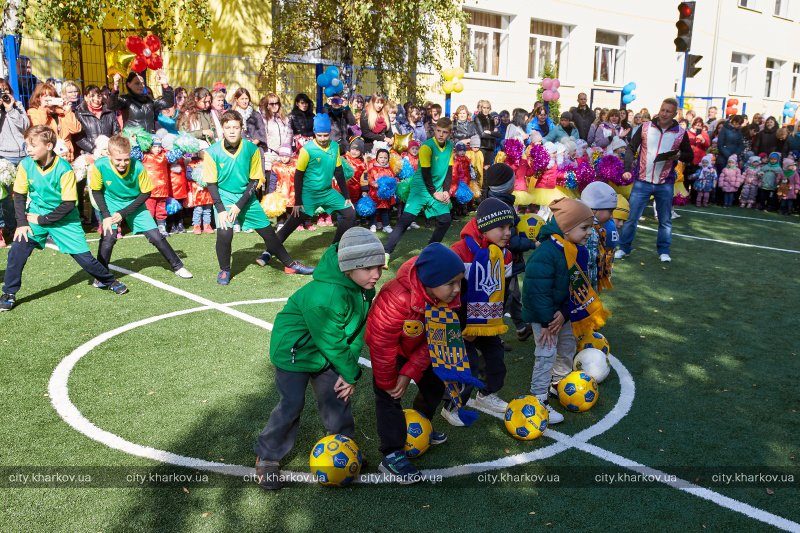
[[486, 43], [773, 78], [750, 4], [548, 44], [782, 8], [795, 82], [739, 64], [609, 58]]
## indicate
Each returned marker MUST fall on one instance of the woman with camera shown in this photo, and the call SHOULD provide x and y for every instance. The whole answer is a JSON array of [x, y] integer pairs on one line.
[[13, 123], [48, 109]]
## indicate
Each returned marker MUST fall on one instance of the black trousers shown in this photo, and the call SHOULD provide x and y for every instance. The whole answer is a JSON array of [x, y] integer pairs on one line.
[[389, 412], [487, 354], [405, 220], [21, 251], [271, 241], [107, 242], [345, 219]]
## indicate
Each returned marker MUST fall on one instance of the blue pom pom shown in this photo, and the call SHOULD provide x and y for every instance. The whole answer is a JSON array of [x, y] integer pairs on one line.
[[173, 156], [136, 153], [407, 170], [365, 207], [173, 206], [387, 185], [463, 193]]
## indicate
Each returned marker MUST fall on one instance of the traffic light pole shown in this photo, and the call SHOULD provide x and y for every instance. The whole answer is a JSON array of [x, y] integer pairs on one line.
[[683, 80]]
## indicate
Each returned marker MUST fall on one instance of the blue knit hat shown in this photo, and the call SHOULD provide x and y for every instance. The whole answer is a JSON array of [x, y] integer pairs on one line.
[[322, 123], [437, 264], [775, 155]]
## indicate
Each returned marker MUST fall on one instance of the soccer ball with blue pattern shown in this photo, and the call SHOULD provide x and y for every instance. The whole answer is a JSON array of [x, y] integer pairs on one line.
[[578, 391], [418, 433], [335, 461], [526, 418], [596, 341]]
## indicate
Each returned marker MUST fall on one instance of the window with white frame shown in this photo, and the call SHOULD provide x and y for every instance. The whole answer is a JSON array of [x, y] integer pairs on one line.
[[773, 79], [750, 4], [739, 66], [609, 57], [548, 44], [781, 8], [796, 82], [486, 43]]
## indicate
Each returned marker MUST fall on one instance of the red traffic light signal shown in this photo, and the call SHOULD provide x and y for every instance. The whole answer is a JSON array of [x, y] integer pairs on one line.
[[685, 9], [683, 42]]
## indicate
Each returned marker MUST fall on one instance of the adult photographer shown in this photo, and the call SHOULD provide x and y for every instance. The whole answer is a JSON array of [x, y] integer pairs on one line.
[[13, 123]]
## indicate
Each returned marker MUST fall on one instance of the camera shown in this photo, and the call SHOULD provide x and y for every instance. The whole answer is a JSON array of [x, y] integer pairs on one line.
[[5, 97]]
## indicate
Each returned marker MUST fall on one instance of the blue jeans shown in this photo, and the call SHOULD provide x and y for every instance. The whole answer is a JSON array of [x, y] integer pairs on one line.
[[640, 196], [201, 212], [728, 199]]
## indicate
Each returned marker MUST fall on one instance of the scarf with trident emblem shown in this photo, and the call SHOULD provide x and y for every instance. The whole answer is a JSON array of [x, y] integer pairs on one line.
[[586, 312], [486, 290]]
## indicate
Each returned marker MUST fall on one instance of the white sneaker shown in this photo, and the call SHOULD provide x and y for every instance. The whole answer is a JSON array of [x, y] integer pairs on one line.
[[373, 228], [387, 229], [490, 402], [619, 254], [452, 417], [675, 215], [414, 225], [278, 228], [183, 273], [665, 258], [237, 228], [554, 416]]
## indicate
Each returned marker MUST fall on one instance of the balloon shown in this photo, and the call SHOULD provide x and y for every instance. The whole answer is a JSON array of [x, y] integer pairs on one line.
[[154, 62], [135, 44], [555, 84], [153, 43], [335, 82], [323, 80], [547, 95], [448, 87], [330, 91], [628, 99], [547, 84], [633, 86], [733, 102], [332, 71], [448, 73], [139, 64], [789, 113], [400, 143], [118, 62], [556, 95], [458, 86], [459, 73], [787, 105]]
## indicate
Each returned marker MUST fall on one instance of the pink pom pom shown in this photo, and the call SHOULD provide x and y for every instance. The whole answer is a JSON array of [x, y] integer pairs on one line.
[[513, 149], [610, 169], [584, 174], [539, 158]]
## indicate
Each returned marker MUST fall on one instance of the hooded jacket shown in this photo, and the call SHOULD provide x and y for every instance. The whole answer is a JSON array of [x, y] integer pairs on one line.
[[322, 324], [141, 109], [546, 286], [396, 328]]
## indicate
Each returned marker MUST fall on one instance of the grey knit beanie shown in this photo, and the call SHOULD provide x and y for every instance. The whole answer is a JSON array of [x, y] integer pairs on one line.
[[360, 248]]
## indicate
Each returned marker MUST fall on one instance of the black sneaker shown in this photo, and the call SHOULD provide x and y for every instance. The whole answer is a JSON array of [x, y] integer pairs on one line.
[[263, 259], [397, 465], [524, 333], [268, 474], [7, 301], [118, 288], [437, 437]]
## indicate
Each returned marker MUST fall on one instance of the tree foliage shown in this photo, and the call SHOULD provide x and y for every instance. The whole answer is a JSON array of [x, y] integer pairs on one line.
[[548, 71], [395, 39]]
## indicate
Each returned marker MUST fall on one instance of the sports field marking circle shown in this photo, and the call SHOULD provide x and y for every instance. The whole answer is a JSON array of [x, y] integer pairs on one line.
[[59, 396]]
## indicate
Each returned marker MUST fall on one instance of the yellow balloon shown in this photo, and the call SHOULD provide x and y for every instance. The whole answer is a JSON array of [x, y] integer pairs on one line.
[[400, 144], [458, 86], [459, 72], [395, 162], [448, 87], [448, 74], [118, 62]]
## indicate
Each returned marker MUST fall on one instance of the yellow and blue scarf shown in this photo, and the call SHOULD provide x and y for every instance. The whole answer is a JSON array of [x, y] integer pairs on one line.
[[486, 290], [586, 312], [449, 356]]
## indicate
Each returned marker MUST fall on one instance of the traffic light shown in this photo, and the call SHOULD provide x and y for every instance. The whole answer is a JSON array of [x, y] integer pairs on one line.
[[691, 65], [683, 42]]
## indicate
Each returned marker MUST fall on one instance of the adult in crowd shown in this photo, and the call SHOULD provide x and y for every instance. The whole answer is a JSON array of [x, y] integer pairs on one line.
[[269, 129], [47, 109], [376, 126], [71, 92], [767, 141], [658, 145], [565, 128], [13, 123], [219, 87], [181, 94], [413, 124], [712, 120], [433, 112], [463, 128], [781, 144], [357, 103], [793, 142], [505, 120], [582, 116], [196, 118], [96, 120], [517, 129], [539, 121], [607, 130], [27, 81], [343, 120], [242, 104], [700, 141], [487, 130], [301, 120], [138, 107], [601, 115]]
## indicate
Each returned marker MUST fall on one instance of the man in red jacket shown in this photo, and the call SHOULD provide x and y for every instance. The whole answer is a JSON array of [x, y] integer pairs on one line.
[[398, 349]]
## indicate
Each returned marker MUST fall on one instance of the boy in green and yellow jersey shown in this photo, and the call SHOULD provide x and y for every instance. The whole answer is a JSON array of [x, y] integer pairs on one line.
[[232, 172], [50, 183], [120, 189]]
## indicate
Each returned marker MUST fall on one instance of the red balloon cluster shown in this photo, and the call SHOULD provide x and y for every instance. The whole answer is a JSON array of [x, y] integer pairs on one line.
[[732, 107], [146, 51]]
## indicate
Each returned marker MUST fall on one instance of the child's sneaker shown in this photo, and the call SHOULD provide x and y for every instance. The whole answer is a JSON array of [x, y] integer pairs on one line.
[[197, 229], [312, 227], [554, 389], [437, 437], [263, 259], [300, 228], [268, 474], [118, 288], [7, 301], [97, 284], [387, 229], [414, 225], [619, 254], [524, 333], [224, 277], [490, 402], [162, 229], [397, 464], [554, 416], [298, 268], [208, 229], [179, 228], [452, 417], [182, 272], [237, 228], [373, 228]]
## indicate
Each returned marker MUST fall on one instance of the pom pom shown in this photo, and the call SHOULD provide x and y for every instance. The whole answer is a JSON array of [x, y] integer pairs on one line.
[[395, 162], [571, 181], [81, 167], [476, 189], [173, 206], [539, 158], [463, 193], [173, 156], [402, 190], [513, 149], [186, 144], [386, 187], [168, 141], [8, 172], [680, 199], [406, 170], [610, 169], [273, 204], [140, 137], [365, 207], [348, 169], [584, 173], [136, 153], [195, 174]]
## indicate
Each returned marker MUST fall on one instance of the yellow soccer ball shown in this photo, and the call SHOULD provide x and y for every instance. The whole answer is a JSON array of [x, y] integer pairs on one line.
[[418, 433], [596, 341], [526, 418], [530, 225], [578, 391], [335, 461]]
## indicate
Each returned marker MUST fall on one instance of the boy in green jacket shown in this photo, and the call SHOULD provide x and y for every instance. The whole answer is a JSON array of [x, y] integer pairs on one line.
[[318, 337]]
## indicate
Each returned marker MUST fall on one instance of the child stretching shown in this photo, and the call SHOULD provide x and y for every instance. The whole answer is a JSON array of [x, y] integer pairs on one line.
[[120, 189], [318, 337], [50, 183], [232, 171], [398, 349], [557, 297], [602, 200], [380, 169]]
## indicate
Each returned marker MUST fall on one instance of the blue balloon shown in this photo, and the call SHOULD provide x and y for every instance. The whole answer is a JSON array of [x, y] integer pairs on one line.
[[323, 80], [628, 88], [332, 71], [628, 99], [790, 113], [330, 91]]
